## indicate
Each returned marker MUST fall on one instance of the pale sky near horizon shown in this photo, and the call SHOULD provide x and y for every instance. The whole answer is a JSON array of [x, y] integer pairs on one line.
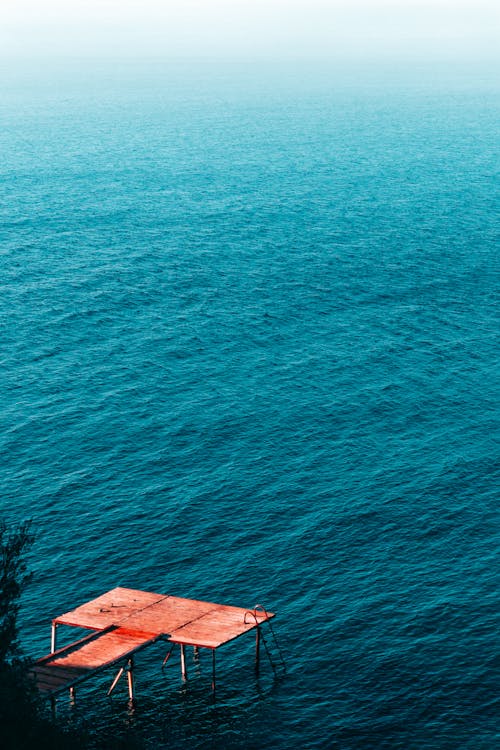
[[455, 29]]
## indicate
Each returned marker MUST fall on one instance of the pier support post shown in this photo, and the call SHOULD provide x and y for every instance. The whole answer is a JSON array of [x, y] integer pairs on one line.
[[130, 679], [213, 671], [183, 662], [53, 637], [257, 649], [167, 657], [115, 681]]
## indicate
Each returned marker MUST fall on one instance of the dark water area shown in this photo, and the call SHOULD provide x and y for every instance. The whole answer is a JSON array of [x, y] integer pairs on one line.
[[248, 346]]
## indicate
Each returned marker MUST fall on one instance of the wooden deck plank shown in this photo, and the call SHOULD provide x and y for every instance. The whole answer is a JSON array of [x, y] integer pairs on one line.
[[192, 621], [166, 615], [50, 687], [55, 669], [218, 626], [108, 609], [57, 672], [45, 687], [56, 680], [53, 679], [109, 648]]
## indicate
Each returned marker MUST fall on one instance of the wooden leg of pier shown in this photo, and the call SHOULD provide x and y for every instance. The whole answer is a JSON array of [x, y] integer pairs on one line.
[[53, 638], [183, 663], [115, 681], [213, 671], [130, 679], [167, 657], [257, 649]]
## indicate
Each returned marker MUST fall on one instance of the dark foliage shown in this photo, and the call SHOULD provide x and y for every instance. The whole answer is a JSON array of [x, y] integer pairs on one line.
[[14, 577], [24, 723]]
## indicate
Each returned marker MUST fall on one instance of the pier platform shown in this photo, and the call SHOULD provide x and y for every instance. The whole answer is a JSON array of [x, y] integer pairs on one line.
[[124, 621]]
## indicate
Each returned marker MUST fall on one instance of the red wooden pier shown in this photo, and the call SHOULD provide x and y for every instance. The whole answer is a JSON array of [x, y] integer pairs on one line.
[[124, 621]]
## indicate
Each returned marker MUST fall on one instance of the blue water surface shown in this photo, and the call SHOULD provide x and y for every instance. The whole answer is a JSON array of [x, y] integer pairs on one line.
[[248, 345]]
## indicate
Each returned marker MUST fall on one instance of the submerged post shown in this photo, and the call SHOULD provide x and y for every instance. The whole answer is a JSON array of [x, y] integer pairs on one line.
[[183, 662], [53, 637], [115, 681], [213, 671], [167, 657], [130, 678], [257, 649]]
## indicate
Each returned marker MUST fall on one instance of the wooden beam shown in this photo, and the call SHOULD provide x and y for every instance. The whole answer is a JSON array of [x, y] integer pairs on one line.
[[183, 663]]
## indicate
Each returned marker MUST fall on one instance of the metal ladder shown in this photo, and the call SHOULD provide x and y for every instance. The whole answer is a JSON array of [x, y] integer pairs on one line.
[[260, 636]]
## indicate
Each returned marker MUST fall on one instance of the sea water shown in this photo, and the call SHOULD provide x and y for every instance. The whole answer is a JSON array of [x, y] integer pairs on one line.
[[248, 344]]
